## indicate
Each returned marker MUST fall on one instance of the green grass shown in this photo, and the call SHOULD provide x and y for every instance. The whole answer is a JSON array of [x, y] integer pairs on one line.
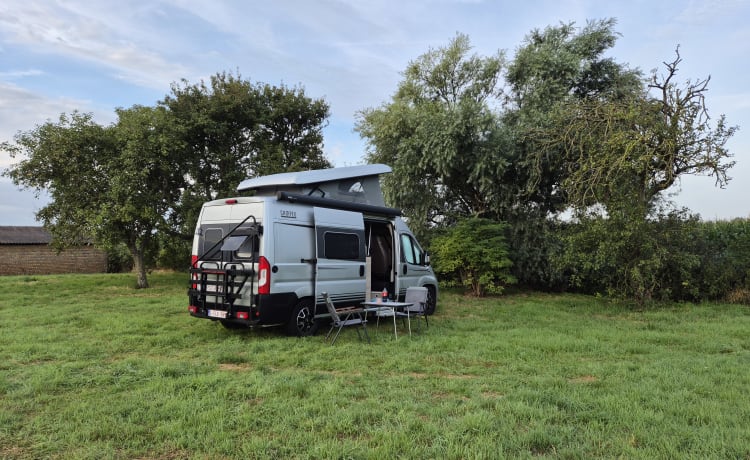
[[92, 368]]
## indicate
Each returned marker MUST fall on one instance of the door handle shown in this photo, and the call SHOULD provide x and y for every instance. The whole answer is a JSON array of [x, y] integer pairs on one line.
[[404, 270], [361, 270]]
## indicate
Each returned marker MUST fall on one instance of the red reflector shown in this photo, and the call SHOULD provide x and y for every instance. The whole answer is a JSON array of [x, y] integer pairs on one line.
[[232, 201], [193, 263], [242, 315], [193, 309]]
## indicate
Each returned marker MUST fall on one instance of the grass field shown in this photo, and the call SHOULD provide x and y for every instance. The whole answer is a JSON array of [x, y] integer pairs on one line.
[[92, 368]]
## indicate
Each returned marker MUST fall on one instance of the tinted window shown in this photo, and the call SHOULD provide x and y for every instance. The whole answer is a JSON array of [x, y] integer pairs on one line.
[[250, 248], [211, 236], [341, 246]]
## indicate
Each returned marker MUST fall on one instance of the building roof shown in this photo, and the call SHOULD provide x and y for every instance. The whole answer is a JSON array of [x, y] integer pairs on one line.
[[315, 176], [24, 235]]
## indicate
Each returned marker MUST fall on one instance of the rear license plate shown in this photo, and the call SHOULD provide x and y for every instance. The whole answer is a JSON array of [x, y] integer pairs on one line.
[[214, 288], [217, 314]]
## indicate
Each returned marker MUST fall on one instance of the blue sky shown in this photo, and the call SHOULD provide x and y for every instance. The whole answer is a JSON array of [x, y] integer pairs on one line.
[[94, 56]]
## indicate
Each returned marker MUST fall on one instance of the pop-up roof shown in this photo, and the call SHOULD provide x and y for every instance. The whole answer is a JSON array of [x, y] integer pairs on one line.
[[356, 184]]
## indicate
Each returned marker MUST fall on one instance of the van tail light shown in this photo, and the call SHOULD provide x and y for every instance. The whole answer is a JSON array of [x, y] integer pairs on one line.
[[193, 263], [264, 276], [242, 315]]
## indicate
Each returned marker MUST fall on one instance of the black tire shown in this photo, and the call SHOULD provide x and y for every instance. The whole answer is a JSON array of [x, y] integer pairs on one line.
[[302, 322], [431, 300]]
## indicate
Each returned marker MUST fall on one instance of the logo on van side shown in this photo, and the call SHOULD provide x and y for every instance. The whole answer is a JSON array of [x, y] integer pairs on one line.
[[289, 214]]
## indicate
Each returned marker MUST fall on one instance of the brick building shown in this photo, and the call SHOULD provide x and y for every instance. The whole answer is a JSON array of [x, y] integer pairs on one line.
[[26, 251]]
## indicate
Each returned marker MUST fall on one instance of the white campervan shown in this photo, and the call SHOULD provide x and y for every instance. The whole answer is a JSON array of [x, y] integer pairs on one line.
[[266, 259]]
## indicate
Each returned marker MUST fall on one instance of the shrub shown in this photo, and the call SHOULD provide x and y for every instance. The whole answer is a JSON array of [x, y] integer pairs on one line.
[[533, 243], [640, 260], [119, 259], [474, 254], [725, 258]]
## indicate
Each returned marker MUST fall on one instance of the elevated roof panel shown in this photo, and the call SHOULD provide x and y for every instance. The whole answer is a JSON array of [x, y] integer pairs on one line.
[[316, 176]]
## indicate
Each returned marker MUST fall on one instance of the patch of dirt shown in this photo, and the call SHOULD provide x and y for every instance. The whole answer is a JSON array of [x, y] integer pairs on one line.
[[584, 379], [234, 367]]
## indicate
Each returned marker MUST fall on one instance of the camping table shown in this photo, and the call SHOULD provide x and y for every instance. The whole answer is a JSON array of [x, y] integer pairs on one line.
[[378, 306]]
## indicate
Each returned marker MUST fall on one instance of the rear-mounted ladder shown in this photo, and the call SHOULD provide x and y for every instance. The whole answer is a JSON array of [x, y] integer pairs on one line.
[[224, 284], [229, 277]]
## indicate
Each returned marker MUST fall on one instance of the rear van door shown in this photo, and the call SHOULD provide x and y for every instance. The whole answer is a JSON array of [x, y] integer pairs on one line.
[[340, 254]]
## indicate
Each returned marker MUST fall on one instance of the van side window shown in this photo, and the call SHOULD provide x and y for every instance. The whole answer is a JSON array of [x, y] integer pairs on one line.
[[411, 253], [341, 246]]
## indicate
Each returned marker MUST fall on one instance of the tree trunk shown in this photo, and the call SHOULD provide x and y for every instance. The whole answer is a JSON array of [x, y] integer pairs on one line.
[[139, 267]]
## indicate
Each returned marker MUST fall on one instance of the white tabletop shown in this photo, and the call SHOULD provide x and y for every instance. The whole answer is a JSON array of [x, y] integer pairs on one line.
[[388, 304]]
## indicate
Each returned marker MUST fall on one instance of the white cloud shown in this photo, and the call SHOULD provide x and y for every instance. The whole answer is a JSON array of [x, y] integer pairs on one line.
[[22, 110], [707, 12], [104, 33], [13, 74]]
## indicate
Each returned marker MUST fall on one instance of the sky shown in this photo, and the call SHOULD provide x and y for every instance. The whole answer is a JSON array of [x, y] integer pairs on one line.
[[58, 56]]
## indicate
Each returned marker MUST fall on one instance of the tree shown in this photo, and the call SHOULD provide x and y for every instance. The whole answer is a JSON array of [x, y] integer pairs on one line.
[[231, 129], [565, 62], [463, 143], [620, 156], [629, 151], [68, 159], [145, 183], [440, 136], [559, 65], [450, 128], [114, 184], [141, 181]]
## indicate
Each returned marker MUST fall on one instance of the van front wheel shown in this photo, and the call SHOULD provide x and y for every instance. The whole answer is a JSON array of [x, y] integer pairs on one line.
[[431, 300], [302, 322]]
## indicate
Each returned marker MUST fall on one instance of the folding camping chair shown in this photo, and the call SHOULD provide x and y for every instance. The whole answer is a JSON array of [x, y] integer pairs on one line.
[[343, 317], [417, 297]]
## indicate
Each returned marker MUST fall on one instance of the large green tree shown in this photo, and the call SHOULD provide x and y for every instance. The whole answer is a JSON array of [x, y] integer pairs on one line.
[[441, 136], [460, 132], [569, 127], [553, 66], [140, 182], [618, 157], [558, 65], [232, 129], [456, 130], [113, 184], [624, 153]]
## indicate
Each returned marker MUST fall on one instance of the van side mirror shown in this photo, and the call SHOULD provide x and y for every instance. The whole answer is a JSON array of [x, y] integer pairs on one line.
[[425, 258]]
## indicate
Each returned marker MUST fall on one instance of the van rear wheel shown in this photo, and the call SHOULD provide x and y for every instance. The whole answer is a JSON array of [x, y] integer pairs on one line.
[[302, 322]]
